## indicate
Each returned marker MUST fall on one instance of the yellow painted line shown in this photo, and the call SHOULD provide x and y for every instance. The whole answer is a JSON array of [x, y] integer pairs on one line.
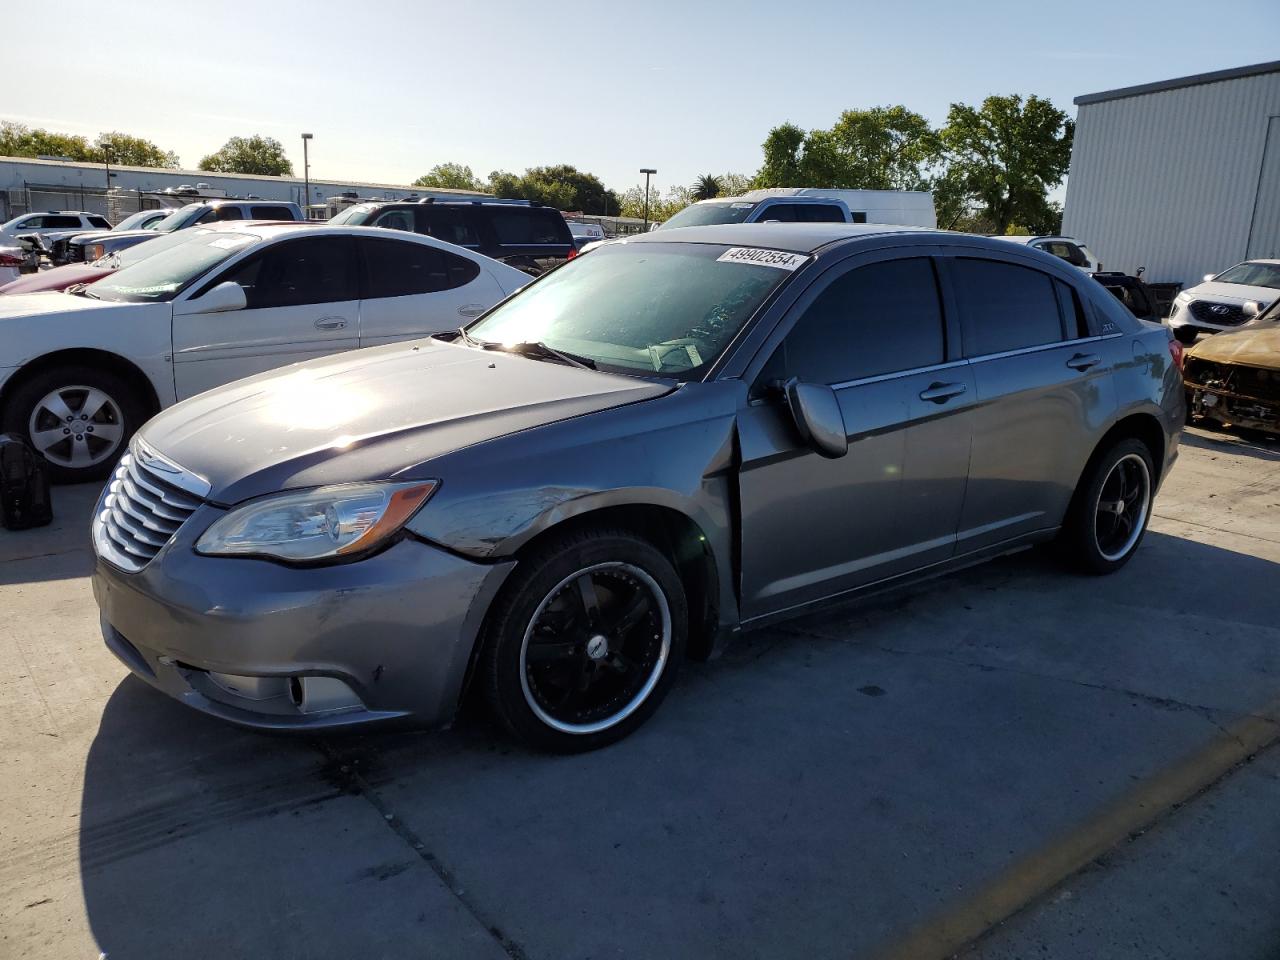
[[1031, 877]]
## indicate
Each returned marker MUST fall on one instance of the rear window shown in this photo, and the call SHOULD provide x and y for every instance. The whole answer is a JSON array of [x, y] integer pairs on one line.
[[396, 268], [100, 222], [1004, 306], [271, 213], [518, 227]]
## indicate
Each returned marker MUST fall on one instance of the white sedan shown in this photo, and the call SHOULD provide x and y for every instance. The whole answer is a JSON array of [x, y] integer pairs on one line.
[[81, 371]]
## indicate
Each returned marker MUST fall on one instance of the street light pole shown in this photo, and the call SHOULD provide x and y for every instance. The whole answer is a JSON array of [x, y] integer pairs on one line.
[[647, 173], [306, 179]]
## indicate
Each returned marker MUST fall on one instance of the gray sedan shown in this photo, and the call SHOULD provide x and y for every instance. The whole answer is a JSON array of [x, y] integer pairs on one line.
[[674, 438]]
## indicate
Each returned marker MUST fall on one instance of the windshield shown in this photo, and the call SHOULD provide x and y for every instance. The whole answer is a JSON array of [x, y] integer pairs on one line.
[[700, 214], [161, 273], [1252, 275], [655, 308], [135, 220], [176, 220], [353, 215]]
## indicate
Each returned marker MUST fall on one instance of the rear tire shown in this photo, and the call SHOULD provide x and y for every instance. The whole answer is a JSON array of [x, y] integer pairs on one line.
[[78, 418], [584, 641], [1111, 507]]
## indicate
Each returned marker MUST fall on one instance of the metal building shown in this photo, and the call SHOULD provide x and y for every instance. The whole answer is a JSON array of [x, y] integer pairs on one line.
[[1181, 177]]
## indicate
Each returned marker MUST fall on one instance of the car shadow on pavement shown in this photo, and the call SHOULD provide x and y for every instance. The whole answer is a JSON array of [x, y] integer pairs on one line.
[[822, 789], [1253, 443]]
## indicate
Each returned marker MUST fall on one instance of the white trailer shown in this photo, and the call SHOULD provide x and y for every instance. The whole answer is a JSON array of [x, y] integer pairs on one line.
[[912, 208]]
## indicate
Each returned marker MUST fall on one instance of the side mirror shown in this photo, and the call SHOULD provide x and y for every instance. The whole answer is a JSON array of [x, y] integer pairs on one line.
[[1208, 277], [816, 412], [1251, 308], [223, 298]]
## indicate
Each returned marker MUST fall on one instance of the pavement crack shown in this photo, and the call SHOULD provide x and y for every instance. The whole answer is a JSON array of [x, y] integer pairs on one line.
[[357, 783], [1209, 526]]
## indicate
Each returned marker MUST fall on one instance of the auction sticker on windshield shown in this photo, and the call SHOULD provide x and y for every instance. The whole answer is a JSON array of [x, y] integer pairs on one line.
[[763, 258]]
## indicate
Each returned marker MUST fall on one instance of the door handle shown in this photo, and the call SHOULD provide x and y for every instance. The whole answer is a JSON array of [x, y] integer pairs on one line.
[[330, 323], [471, 310], [942, 392], [1083, 361]]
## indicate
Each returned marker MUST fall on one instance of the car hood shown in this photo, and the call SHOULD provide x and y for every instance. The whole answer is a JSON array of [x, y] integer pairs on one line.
[[1236, 293], [121, 234], [373, 414], [68, 234], [59, 278], [1256, 347], [20, 305]]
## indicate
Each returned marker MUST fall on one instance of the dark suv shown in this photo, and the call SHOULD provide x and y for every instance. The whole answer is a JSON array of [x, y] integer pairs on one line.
[[526, 235]]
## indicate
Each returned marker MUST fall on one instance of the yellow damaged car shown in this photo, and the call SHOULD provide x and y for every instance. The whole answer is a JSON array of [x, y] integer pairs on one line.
[[1234, 378]]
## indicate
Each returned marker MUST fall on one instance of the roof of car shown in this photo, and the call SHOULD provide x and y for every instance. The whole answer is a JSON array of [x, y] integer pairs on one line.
[[795, 237]]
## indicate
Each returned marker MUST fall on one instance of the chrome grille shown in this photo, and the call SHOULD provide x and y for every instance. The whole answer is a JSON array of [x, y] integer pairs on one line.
[[142, 507], [1223, 314]]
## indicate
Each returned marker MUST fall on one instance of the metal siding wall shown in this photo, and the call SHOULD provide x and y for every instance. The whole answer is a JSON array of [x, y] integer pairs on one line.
[[1264, 234], [1168, 180]]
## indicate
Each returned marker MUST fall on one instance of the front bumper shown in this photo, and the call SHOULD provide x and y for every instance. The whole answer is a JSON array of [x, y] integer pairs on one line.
[[239, 638]]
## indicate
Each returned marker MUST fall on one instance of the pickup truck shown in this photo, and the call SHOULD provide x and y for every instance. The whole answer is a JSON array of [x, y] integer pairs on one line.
[[81, 249], [813, 205]]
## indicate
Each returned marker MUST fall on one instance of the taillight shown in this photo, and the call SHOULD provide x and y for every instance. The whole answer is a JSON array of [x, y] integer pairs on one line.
[[573, 252], [11, 260], [1177, 352]]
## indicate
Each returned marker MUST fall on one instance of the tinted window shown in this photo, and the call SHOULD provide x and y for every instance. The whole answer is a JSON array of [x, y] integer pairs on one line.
[[394, 220], [781, 212], [1004, 307], [297, 272], [821, 213], [63, 223], [397, 269], [228, 213], [516, 226], [271, 213], [1073, 316], [1066, 251], [876, 319], [101, 222], [450, 224], [859, 216]]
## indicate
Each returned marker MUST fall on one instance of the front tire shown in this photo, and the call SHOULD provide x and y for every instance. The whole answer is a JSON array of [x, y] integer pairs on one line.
[[78, 418], [1111, 508], [584, 641]]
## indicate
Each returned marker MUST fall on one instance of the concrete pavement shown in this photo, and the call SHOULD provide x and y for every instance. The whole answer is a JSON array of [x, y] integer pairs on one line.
[[895, 776]]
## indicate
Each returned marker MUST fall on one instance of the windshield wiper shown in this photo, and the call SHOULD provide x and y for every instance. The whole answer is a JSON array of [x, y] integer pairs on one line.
[[467, 338], [536, 348]]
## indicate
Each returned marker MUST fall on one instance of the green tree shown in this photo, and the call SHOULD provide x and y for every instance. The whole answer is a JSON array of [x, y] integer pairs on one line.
[[129, 151], [783, 148], [19, 140], [884, 148], [260, 155], [1005, 156], [706, 187], [733, 184], [562, 186], [450, 176]]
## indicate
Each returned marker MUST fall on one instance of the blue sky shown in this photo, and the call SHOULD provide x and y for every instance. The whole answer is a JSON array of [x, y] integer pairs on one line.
[[391, 87]]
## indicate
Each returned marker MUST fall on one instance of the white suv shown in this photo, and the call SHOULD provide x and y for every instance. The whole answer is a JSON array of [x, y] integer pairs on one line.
[[51, 221], [1225, 301], [1065, 248]]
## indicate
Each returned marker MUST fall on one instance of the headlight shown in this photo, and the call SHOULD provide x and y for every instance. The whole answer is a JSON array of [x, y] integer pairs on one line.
[[93, 251], [1183, 297], [326, 522]]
